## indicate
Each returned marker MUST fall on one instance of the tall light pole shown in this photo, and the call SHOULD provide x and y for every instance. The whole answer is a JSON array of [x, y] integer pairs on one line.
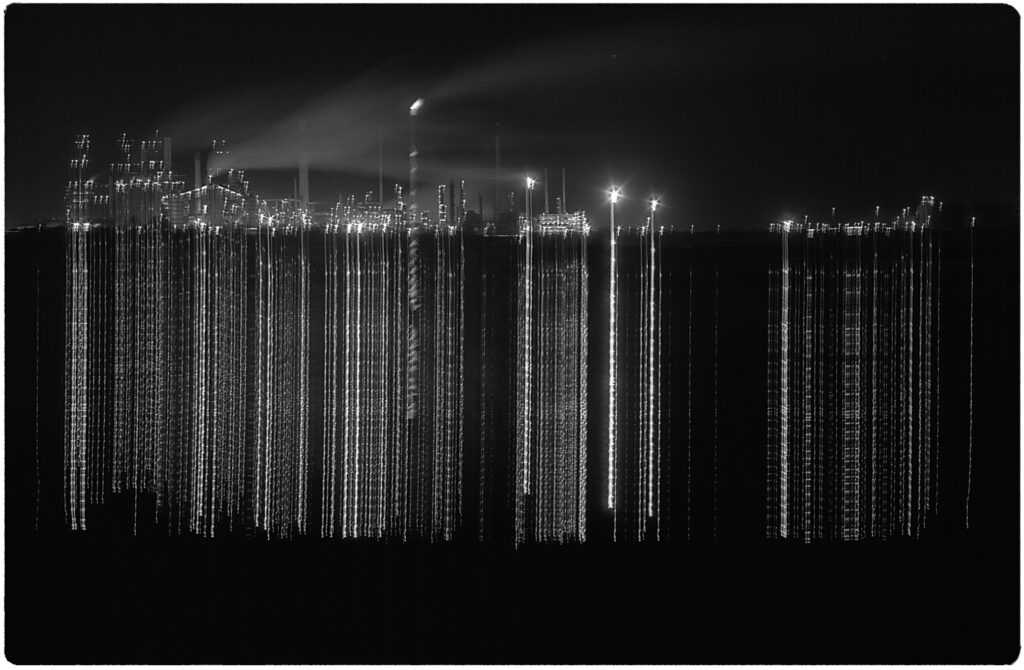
[[613, 198], [413, 158], [528, 349], [650, 368], [412, 398]]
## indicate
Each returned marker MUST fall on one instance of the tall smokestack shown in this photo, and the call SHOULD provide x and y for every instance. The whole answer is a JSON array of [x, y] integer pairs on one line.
[[412, 175], [413, 161], [199, 169], [167, 155], [303, 166]]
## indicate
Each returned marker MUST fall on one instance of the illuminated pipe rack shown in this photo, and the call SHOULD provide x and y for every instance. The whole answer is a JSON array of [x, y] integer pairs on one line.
[[852, 394], [551, 379]]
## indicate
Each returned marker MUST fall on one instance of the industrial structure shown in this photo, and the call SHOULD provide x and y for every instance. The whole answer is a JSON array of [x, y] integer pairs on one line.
[[194, 317]]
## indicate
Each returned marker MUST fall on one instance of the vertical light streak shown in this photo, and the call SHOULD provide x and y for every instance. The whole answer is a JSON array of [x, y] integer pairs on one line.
[[551, 348], [580, 461], [714, 451], [689, 406], [303, 375], [874, 402], [329, 476], [938, 368], [784, 391], [970, 396], [613, 337], [772, 404], [635, 460], [414, 419], [261, 385], [36, 416], [76, 376], [658, 387], [875, 452], [651, 326], [851, 414], [358, 382], [349, 395], [913, 382], [528, 359]]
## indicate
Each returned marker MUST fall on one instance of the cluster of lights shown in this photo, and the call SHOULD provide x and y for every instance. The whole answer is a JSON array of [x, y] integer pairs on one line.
[[615, 195]]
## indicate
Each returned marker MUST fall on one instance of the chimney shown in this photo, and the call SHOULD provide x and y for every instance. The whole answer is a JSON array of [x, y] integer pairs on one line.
[[413, 163], [303, 166]]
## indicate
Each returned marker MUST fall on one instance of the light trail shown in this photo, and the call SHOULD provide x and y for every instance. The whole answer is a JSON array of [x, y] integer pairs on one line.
[[652, 325], [613, 336], [689, 408], [862, 460], [636, 462], [550, 445], [970, 401]]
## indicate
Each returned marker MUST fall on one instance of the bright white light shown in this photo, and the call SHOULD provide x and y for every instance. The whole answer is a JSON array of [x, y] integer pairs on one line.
[[654, 204], [614, 194], [415, 107], [530, 181]]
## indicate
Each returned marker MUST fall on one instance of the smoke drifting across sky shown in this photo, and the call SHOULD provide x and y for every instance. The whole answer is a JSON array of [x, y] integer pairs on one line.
[[734, 114], [538, 98]]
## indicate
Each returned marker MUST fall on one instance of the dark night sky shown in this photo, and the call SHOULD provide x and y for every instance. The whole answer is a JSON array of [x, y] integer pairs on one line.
[[735, 115]]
